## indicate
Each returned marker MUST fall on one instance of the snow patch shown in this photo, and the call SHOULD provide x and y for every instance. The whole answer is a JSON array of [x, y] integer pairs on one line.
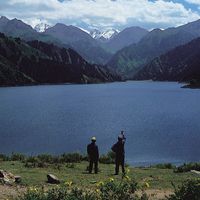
[[104, 35], [42, 27]]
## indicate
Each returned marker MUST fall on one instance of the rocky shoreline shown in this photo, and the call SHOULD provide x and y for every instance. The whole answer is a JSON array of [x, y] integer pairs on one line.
[[193, 84]]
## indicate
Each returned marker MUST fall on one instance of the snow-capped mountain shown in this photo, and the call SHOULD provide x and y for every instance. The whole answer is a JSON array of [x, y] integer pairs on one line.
[[95, 33], [103, 35], [41, 27], [110, 33]]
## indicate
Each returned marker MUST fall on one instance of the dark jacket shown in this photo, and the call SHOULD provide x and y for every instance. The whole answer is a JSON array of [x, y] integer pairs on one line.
[[118, 148], [93, 151]]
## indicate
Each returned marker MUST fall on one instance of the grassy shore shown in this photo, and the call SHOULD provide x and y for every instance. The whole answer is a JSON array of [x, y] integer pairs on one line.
[[158, 179]]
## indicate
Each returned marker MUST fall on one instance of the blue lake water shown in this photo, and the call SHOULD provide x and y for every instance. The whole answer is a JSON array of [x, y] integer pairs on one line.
[[161, 120]]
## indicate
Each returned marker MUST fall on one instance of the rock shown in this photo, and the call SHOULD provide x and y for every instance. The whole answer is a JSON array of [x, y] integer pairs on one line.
[[18, 179], [52, 179], [93, 182], [7, 181], [196, 172], [6, 177]]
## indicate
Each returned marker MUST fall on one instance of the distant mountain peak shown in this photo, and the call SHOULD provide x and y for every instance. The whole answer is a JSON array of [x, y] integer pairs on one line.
[[64, 26], [19, 25], [4, 18], [104, 35], [69, 31], [16, 20], [3, 21], [157, 30], [110, 33], [134, 28], [59, 24], [41, 27], [95, 33]]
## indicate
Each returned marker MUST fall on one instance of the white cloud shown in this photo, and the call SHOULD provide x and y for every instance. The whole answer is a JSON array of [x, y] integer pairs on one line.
[[196, 2], [101, 13]]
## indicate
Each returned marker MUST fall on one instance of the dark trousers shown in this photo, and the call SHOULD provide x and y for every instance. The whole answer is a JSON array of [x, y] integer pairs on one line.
[[119, 161], [95, 163]]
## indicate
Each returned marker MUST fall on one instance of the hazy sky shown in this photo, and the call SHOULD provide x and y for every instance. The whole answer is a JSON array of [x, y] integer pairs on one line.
[[103, 13]]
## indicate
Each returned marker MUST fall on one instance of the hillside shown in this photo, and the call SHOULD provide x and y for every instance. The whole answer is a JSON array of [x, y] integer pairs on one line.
[[132, 58], [80, 41], [179, 64], [39, 62]]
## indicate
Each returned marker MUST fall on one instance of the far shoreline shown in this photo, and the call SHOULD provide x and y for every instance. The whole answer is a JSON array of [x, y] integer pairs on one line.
[[184, 84], [17, 156], [56, 84]]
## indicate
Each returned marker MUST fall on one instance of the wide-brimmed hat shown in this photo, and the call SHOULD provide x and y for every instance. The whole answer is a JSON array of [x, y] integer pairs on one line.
[[93, 139]]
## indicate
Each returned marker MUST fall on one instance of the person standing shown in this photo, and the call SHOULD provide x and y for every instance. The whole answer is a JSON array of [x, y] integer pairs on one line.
[[93, 155], [118, 149]]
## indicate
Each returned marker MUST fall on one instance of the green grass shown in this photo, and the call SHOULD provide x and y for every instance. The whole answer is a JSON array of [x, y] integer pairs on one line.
[[157, 178]]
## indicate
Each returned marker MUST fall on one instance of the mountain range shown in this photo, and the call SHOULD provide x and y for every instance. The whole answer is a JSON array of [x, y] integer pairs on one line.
[[129, 60], [95, 33], [94, 50], [60, 35], [130, 53], [36, 62]]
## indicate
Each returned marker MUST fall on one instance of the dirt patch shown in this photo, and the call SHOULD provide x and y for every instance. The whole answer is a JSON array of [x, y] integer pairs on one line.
[[155, 194], [9, 192]]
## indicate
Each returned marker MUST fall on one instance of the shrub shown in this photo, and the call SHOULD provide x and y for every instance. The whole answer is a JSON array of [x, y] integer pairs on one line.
[[109, 158], [113, 190], [187, 167], [70, 165], [17, 157], [58, 193], [56, 160], [32, 159], [33, 194], [31, 162], [164, 166], [71, 157], [189, 190], [110, 190], [45, 158], [42, 165], [4, 157]]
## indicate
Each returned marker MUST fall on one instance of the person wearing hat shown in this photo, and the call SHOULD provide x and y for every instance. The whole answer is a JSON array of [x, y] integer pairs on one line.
[[93, 154], [118, 149]]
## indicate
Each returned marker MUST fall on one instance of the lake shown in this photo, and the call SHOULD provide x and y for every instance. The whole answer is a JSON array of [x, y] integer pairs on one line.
[[161, 120]]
